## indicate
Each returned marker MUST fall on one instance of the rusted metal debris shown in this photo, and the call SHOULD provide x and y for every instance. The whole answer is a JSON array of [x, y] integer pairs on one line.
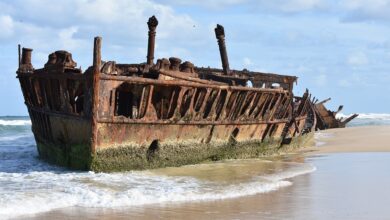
[[134, 116], [327, 119]]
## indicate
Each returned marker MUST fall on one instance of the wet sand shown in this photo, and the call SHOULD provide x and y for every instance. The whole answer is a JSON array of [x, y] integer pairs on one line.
[[352, 139], [351, 182]]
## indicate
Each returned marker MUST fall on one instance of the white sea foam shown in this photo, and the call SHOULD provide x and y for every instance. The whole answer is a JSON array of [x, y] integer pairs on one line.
[[365, 119], [14, 122], [377, 116], [320, 138], [36, 192], [13, 137], [30, 186], [291, 172]]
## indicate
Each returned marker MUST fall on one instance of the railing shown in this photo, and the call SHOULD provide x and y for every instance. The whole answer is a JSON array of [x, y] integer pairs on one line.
[[61, 93], [141, 100]]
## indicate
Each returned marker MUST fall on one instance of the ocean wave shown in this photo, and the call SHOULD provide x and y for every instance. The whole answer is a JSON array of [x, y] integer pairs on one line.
[[376, 116], [14, 137], [292, 172], [14, 122], [320, 138], [366, 119], [36, 192]]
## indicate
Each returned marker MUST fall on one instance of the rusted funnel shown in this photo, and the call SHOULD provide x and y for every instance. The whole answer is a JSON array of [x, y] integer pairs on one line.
[[220, 35], [26, 58], [152, 24], [26, 55]]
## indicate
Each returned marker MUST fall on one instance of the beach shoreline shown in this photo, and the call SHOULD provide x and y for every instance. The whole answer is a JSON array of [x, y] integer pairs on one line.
[[337, 156], [351, 139]]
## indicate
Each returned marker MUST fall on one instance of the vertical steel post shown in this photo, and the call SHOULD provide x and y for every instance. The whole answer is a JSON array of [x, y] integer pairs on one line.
[[152, 25], [19, 55], [97, 59], [220, 35]]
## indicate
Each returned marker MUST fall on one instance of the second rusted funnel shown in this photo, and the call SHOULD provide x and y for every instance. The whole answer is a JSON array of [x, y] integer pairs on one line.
[[152, 25], [220, 35]]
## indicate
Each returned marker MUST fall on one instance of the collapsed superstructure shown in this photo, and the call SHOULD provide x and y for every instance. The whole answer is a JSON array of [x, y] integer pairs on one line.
[[166, 113]]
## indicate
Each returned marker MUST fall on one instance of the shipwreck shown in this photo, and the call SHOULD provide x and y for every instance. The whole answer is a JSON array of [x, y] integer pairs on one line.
[[166, 113]]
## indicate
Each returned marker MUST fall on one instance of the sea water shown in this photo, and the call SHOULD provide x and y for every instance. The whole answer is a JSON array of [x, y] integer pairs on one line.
[[365, 119], [29, 185]]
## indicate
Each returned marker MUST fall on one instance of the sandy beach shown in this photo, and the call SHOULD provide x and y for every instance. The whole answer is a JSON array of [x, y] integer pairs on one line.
[[352, 172], [352, 139]]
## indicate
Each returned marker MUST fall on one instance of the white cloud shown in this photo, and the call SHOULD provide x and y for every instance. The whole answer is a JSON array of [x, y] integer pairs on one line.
[[288, 6], [67, 40], [97, 14], [247, 62], [300, 5], [359, 80], [357, 59], [71, 25], [371, 6], [6, 26], [214, 4], [285, 37], [103, 11], [346, 10], [360, 10]]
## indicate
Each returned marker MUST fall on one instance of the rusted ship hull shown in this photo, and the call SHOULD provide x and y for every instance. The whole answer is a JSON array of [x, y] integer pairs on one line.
[[327, 119], [135, 116], [203, 123], [130, 156]]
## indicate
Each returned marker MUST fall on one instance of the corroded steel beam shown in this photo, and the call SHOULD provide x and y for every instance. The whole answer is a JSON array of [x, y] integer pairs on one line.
[[277, 78], [52, 75], [57, 113], [350, 118], [139, 80], [19, 55], [97, 60], [123, 120], [179, 75], [324, 101], [220, 35], [152, 25]]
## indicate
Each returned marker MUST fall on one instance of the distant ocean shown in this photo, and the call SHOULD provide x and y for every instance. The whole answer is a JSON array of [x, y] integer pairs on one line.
[[366, 119], [29, 185]]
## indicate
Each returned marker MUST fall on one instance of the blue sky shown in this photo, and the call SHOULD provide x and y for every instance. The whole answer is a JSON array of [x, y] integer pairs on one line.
[[338, 49]]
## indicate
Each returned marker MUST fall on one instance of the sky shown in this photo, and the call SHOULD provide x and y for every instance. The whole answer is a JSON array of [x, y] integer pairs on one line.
[[338, 49]]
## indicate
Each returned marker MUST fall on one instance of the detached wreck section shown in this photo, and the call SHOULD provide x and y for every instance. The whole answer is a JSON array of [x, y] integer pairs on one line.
[[166, 113]]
